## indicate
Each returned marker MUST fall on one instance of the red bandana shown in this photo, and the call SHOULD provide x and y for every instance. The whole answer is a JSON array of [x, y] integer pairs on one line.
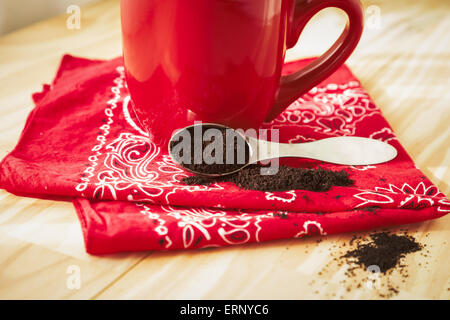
[[82, 141]]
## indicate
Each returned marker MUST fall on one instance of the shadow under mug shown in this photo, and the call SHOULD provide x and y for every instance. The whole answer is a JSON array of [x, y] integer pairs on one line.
[[220, 61]]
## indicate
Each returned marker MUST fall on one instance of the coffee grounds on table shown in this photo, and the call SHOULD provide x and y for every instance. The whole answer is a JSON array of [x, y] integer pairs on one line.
[[235, 152], [287, 178], [383, 250]]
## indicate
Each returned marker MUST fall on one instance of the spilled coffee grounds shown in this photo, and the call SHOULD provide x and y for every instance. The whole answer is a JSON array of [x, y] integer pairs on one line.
[[209, 149], [383, 250], [287, 178], [375, 261]]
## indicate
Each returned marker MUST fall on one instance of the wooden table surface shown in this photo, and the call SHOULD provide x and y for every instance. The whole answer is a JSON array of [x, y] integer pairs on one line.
[[403, 61]]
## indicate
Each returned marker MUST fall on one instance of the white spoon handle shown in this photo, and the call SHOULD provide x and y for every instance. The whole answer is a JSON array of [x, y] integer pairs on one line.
[[339, 150]]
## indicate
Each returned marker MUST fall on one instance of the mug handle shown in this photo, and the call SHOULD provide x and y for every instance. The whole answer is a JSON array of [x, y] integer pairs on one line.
[[296, 84]]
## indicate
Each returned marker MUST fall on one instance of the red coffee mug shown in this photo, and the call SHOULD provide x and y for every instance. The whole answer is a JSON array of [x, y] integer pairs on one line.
[[220, 60]]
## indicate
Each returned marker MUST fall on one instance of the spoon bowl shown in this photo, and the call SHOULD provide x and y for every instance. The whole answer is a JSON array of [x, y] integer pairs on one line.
[[191, 140]]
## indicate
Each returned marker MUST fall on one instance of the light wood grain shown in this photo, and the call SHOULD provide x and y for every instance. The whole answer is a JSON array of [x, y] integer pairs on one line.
[[404, 65]]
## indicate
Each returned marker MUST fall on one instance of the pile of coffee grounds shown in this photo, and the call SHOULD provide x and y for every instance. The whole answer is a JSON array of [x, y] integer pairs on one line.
[[201, 149], [287, 178], [383, 250], [374, 261]]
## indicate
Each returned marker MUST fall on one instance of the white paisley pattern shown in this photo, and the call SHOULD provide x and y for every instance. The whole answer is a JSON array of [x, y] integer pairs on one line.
[[417, 197], [309, 228], [332, 110], [196, 222], [197, 226], [129, 164], [287, 196], [385, 135]]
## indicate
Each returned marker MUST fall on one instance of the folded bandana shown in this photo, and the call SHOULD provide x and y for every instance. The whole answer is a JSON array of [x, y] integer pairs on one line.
[[83, 141]]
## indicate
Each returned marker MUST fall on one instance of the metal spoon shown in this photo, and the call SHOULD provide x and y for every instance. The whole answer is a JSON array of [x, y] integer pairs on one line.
[[338, 150]]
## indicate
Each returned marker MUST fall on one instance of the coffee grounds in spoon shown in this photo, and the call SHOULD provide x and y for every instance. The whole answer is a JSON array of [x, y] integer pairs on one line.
[[206, 155], [287, 178]]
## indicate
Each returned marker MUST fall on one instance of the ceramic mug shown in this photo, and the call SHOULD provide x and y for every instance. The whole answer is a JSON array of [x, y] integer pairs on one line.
[[220, 60]]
